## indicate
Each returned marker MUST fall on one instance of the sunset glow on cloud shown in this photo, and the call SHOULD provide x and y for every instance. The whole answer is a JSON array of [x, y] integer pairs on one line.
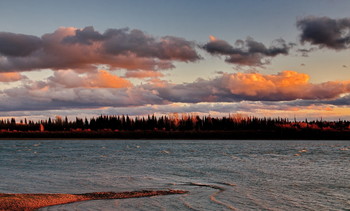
[[11, 76], [68, 48], [284, 86], [99, 79], [294, 65]]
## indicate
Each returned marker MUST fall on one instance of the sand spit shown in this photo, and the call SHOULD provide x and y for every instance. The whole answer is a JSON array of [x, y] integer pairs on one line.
[[28, 202]]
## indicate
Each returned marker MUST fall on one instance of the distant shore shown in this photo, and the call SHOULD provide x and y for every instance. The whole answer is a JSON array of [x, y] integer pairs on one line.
[[205, 135], [29, 202]]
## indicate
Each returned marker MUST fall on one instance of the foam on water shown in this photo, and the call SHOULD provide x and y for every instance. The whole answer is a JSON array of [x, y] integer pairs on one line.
[[219, 175]]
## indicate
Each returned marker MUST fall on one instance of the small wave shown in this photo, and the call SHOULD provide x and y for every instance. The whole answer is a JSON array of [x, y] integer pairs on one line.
[[165, 152], [227, 183], [187, 204], [260, 203], [116, 204], [212, 198], [206, 185], [214, 195]]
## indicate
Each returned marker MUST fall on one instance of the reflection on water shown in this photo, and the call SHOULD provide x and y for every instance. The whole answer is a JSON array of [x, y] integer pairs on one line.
[[220, 175]]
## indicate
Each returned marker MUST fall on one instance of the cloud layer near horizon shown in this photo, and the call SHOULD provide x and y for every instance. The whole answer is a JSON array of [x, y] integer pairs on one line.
[[68, 89], [284, 86]]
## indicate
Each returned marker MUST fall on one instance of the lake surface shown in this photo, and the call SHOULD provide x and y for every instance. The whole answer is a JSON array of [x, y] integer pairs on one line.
[[219, 175]]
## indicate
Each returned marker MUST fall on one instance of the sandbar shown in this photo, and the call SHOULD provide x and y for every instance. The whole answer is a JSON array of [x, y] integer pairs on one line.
[[29, 201]]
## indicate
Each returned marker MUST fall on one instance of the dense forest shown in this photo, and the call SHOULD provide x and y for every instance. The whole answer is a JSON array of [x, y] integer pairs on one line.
[[173, 122]]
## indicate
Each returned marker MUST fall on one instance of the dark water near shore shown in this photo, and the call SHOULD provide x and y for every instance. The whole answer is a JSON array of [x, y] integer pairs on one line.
[[219, 175]]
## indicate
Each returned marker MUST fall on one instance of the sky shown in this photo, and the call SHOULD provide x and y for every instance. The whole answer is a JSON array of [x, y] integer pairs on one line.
[[257, 57]]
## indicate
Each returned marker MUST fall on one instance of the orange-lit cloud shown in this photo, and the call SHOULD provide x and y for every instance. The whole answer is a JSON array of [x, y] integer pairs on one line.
[[212, 38], [256, 84], [11, 77], [284, 86], [99, 79], [106, 80]]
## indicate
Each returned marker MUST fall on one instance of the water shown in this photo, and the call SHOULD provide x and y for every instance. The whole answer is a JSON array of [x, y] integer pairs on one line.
[[219, 175]]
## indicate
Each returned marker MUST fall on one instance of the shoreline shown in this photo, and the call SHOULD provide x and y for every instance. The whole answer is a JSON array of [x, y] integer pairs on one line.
[[30, 202], [185, 135]]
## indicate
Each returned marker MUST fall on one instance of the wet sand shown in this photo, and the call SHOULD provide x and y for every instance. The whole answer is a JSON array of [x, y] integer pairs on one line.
[[28, 202]]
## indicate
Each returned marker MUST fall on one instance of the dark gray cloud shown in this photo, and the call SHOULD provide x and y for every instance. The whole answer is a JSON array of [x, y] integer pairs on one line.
[[70, 48], [341, 101], [325, 32], [305, 51], [21, 45], [247, 52], [85, 36], [137, 42], [124, 41], [338, 101]]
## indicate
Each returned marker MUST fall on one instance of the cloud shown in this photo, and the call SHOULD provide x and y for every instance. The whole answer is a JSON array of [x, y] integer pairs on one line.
[[98, 79], [341, 101], [143, 74], [11, 77], [70, 90], [18, 45], [71, 48], [325, 32], [246, 108], [305, 52], [246, 52], [124, 41], [284, 86], [44, 96], [250, 93], [85, 36], [67, 89]]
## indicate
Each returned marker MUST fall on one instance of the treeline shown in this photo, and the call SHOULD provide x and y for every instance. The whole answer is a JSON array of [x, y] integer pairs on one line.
[[172, 122]]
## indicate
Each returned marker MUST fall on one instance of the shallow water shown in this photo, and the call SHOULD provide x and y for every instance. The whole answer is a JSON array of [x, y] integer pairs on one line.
[[219, 175]]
